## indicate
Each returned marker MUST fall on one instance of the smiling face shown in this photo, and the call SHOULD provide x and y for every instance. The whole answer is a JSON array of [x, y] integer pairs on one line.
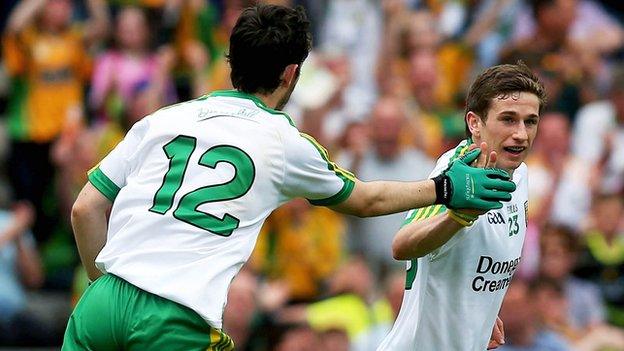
[[509, 127]]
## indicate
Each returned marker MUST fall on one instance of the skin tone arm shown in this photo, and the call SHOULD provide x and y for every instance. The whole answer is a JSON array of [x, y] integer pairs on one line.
[[385, 197], [29, 264], [96, 28], [89, 221], [98, 23], [422, 237], [28, 261], [23, 14]]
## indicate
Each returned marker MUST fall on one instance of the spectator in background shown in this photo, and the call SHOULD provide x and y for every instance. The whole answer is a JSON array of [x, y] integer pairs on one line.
[[347, 307], [552, 309], [335, 339], [559, 190], [46, 58], [353, 28], [404, 32], [301, 245], [558, 251], [591, 35], [430, 99], [387, 307], [299, 337], [598, 137], [218, 75], [591, 27], [385, 158], [195, 45], [562, 67], [241, 309], [418, 66], [522, 331], [602, 259], [132, 62], [20, 268]]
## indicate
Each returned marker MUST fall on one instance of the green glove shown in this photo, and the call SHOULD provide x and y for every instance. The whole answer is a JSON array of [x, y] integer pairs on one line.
[[463, 186]]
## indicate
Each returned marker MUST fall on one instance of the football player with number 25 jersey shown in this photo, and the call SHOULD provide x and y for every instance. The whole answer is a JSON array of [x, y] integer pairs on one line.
[[460, 262]]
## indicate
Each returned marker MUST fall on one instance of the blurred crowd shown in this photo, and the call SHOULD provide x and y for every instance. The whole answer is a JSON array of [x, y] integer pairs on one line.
[[383, 90]]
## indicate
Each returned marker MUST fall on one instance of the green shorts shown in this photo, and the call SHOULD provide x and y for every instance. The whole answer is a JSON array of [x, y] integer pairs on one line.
[[113, 314]]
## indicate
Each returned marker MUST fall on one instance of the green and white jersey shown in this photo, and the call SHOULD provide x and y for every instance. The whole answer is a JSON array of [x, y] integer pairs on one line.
[[453, 294], [191, 186]]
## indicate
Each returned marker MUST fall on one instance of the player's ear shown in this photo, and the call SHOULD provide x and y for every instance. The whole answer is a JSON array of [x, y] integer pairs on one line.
[[474, 123], [289, 75]]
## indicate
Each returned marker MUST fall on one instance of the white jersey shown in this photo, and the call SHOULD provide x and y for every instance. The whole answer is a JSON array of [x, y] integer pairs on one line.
[[453, 294], [192, 185]]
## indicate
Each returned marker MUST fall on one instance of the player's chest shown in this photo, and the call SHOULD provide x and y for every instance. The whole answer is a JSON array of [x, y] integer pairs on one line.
[[499, 232], [508, 222]]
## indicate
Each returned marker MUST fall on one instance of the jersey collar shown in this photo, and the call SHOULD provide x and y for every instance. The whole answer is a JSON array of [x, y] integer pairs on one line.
[[240, 95]]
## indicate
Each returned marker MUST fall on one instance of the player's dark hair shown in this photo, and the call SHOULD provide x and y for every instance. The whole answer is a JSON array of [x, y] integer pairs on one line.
[[566, 234], [266, 39], [499, 81]]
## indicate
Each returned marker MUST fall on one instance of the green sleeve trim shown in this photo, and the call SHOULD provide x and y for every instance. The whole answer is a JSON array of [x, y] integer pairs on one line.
[[347, 177], [102, 183], [342, 195], [332, 166], [423, 213]]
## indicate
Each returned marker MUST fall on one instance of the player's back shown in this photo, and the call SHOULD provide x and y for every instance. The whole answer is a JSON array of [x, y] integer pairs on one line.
[[195, 182]]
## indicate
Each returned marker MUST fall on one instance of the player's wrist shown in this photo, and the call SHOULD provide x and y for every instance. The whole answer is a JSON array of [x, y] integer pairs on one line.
[[461, 218], [443, 189]]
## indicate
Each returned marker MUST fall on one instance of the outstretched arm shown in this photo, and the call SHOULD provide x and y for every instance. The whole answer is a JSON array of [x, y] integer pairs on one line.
[[89, 221], [460, 186], [384, 197], [99, 21], [23, 14]]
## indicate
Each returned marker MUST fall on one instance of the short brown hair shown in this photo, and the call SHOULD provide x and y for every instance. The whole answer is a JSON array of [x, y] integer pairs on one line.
[[499, 81], [567, 235]]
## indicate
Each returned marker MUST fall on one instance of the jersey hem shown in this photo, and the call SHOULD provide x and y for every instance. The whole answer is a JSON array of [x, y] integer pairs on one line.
[[102, 183], [342, 195]]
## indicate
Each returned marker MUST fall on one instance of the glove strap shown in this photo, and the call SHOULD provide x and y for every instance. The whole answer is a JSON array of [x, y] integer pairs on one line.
[[443, 189]]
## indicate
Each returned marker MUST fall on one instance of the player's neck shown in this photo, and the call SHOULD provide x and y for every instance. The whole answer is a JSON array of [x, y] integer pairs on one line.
[[270, 100]]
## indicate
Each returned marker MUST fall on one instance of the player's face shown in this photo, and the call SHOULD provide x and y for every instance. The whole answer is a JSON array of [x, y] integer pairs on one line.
[[510, 128]]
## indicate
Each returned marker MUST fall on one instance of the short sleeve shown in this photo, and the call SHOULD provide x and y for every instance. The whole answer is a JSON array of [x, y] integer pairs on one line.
[[309, 173], [110, 175]]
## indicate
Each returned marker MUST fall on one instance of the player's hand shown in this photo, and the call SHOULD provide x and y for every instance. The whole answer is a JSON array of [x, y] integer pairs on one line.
[[461, 186], [485, 159], [498, 335]]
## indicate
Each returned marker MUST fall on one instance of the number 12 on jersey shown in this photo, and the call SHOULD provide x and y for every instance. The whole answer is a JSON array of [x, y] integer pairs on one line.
[[179, 151]]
